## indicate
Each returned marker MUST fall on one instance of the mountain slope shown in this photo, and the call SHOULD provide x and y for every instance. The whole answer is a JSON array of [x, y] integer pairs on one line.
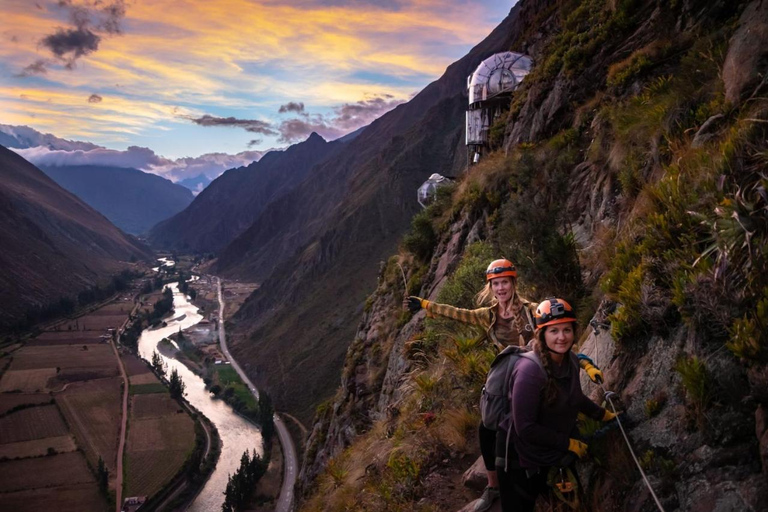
[[632, 183], [54, 245], [132, 200], [232, 201], [320, 246]]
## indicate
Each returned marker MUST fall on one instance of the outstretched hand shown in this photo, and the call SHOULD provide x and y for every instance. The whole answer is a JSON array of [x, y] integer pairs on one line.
[[413, 304]]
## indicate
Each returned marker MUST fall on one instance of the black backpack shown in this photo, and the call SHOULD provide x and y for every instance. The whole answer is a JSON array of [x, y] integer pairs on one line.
[[494, 400]]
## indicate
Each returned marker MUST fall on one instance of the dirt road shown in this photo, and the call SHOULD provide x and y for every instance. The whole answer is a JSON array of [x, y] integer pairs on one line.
[[285, 501]]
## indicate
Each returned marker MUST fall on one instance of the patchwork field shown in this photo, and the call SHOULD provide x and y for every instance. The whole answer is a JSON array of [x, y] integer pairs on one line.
[[33, 423], [10, 400], [27, 381], [72, 498], [67, 338], [56, 470], [143, 378], [38, 447], [64, 356], [160, 439], [92, 410], [134, 365]]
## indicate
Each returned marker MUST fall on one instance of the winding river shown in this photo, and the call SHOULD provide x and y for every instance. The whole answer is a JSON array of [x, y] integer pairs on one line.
[[237, 434]]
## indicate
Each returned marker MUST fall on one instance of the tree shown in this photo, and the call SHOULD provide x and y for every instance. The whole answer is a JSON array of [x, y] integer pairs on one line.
[[176, 385], [102, 475], [157, 363]]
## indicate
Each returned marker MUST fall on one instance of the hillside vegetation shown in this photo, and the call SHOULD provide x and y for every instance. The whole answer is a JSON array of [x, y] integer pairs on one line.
[[629, 176]]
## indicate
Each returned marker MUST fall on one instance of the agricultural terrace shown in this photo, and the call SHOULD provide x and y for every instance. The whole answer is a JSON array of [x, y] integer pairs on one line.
[[93, 411], [138, 372], [67, 338], [160, 439], [10, 401], [60, 482], [36, 422]]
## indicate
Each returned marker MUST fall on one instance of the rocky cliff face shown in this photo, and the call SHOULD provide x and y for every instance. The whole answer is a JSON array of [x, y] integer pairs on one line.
[[631, 145]]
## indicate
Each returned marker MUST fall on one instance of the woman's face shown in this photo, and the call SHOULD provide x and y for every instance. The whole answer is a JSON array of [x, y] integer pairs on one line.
[[559, 337], [503, 288]]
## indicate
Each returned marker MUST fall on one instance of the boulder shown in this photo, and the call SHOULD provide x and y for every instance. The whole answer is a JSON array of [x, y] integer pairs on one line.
[[475, 477], [746, 62]]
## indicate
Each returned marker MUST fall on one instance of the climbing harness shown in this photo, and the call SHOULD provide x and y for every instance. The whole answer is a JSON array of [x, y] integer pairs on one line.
[[608, 398], [563, 482]]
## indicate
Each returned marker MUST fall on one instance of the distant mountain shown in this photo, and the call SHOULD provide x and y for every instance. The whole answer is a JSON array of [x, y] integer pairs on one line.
[[318, 249], [196, 184], [229, 205], [53, 244], [132, 200]]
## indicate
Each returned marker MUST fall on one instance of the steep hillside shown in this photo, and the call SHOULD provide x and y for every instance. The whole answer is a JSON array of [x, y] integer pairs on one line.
[[230, 204], [132, 200], [321, 245], [53, 244], [630, 180]]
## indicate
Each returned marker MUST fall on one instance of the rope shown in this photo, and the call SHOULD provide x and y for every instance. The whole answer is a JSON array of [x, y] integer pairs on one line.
[[405, 281], [631, 451]]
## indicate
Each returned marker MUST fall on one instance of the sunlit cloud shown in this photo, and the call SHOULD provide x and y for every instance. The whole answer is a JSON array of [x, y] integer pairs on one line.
[[153, 63]]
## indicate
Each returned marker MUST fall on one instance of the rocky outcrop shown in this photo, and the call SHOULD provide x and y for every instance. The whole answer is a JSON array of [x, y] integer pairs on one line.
[[746, 63]]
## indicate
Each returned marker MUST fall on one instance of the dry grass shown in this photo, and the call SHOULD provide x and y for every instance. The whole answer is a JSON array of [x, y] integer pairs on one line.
[[27, 381], [153, 406], [144, 378], [33, 423], [38, 447]]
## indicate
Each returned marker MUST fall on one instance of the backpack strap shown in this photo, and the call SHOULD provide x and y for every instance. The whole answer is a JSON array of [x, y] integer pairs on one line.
[[535, 358]]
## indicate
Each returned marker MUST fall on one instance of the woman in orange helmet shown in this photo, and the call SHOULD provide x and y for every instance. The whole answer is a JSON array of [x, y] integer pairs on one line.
[[545, 398], [507, 321]]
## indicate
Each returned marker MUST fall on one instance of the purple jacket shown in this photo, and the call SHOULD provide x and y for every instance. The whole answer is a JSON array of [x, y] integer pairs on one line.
[[540, 431]]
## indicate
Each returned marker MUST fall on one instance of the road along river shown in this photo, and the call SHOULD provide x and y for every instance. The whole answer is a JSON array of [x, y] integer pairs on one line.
[[237, 434]]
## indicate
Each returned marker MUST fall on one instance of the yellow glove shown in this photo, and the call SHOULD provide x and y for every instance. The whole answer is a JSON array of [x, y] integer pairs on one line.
[[577, 447], [608, 416], [593, 371]]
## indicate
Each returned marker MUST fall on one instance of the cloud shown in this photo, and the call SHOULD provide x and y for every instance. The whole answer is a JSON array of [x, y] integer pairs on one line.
[[291, 106], [87, 20], [71, 44], [254, 142], [48, 150], [94, 98], [250, 125], [36, 68], [344, 119]]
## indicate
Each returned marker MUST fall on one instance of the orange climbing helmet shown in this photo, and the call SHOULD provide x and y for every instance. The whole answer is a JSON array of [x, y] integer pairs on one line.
[[501, 268], [553, 311]]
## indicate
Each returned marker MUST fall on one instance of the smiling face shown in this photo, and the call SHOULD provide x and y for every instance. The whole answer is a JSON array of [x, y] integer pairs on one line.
[[503, 288], [559, 338]]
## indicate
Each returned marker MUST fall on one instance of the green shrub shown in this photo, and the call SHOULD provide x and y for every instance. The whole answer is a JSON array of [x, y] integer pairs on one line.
[[697, 383], [469, 277], [421, 239]]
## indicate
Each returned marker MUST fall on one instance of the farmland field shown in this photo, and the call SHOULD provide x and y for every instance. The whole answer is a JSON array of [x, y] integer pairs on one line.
[[53, 471], [159, 441], [134, 365], [32, 423], [152, 406], [72, 498], [64, 356], [66, 338], [10, 400], [94, 322], [27, 381], [144, 378], [93, 412], [37, 447]]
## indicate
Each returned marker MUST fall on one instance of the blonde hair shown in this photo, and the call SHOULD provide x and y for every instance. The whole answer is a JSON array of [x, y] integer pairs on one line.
[[485, 296]]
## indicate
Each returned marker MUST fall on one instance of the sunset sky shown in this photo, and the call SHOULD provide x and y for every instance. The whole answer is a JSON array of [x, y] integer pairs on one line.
[[198, 76]]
